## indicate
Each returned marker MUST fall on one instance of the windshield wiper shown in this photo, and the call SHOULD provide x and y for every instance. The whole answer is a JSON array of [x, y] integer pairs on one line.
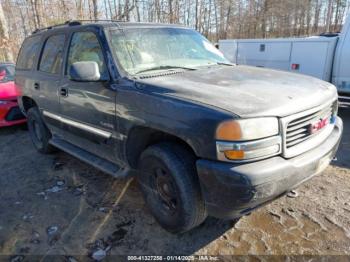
[[218, 63], [223, 63], [164, 67]]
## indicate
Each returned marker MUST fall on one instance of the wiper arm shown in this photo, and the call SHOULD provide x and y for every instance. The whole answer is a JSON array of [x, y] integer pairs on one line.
[[214, 63], [164, 67], [222, 63]]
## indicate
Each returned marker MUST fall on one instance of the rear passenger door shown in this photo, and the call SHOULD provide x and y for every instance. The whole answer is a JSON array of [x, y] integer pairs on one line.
[[49, 73], [88, 108]]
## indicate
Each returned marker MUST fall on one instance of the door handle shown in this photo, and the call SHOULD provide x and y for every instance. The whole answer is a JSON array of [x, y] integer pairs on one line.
[[36, 86], [64, 92]]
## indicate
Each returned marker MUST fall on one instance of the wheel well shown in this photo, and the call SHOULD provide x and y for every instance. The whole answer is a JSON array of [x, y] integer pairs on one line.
[[28, 103], [142, 137]]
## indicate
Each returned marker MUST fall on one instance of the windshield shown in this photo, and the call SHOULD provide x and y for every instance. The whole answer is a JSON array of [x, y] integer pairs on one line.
[[147, 49], [7, 73]]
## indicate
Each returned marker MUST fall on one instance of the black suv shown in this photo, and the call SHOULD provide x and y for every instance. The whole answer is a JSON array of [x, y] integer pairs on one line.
[[202, 136]]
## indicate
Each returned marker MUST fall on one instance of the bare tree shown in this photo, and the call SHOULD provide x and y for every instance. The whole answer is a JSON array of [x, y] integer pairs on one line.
[[94, 3], [5, 38], [214, 18]]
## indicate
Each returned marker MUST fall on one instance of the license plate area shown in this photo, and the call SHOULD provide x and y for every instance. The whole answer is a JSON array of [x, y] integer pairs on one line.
[[324, 162]]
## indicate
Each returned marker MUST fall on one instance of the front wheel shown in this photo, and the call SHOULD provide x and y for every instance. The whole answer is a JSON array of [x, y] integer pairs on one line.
[[38, 131], [168, 179]]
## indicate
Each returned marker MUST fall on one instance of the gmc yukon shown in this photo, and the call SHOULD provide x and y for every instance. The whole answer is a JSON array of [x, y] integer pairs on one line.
[[159, 102]]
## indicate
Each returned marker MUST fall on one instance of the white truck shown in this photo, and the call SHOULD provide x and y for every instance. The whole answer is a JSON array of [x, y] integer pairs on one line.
[[327, 58]]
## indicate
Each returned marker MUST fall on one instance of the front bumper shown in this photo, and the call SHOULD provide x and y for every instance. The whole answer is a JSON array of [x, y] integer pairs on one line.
[[232, 190], [10, 114]]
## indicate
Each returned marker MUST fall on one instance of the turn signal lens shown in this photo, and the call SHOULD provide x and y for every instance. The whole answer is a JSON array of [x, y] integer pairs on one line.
[[234, 155], [229, 130], [257, 149]]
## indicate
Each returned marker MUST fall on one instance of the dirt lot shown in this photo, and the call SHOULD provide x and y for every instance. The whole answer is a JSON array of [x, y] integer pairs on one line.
[[55, 204]]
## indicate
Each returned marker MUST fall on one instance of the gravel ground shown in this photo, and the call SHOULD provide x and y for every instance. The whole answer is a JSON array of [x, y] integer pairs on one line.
[[55, 204]]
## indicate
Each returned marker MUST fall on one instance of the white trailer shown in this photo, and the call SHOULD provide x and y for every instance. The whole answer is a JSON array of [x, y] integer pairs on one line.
[[327, 58]]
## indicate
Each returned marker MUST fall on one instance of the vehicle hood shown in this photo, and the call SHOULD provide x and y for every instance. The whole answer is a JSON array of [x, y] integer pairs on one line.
[[8, 90], [245, 91]]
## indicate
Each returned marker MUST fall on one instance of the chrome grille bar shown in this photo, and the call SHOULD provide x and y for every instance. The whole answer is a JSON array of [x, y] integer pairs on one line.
[[344, 100], [297, 128], [300, 127]]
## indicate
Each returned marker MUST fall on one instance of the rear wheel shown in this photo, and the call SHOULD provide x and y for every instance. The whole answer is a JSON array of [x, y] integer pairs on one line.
[[38, 131], [168, 179]]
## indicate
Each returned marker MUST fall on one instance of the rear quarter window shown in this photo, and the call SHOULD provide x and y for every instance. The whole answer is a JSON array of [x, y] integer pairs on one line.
[[28, 52]]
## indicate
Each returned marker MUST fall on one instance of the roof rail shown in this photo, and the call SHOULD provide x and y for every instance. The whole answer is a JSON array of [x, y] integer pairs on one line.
[[82, 21], [95, 20], [50, 27], [75, 23]]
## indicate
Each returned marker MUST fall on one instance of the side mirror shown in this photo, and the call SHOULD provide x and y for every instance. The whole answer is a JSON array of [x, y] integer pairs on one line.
[[86, 71]]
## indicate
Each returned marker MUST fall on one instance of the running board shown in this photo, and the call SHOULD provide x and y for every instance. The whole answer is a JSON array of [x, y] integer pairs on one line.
[[91, 159]]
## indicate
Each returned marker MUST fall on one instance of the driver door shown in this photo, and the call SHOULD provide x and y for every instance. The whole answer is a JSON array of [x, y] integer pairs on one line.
[[88, 108]]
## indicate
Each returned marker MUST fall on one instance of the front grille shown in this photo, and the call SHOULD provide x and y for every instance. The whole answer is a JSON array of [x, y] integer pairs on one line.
[[14, 114], [298, 129], [344, 100]]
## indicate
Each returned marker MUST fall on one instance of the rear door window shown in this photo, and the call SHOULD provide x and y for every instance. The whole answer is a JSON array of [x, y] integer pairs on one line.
[[52, 55], [27, 54], [85, 46]]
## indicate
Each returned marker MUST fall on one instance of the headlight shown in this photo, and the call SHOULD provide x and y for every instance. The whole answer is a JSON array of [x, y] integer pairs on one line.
[[4, 102], [248, 139], [247, 129]]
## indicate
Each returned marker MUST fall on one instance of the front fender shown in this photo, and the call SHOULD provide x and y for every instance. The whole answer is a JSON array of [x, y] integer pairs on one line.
[[192, 122]]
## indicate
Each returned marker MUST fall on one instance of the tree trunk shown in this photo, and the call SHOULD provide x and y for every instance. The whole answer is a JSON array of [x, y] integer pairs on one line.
[[196, 16], [37, 13], [25, 31], [95, 9], [329, 15], [5, 37]]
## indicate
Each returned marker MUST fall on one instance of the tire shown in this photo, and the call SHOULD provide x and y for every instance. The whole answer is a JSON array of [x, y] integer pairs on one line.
[[168, 180], [38, 131]]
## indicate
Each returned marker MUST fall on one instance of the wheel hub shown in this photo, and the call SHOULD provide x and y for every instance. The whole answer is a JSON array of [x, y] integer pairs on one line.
[[37, 131], [165, 189]]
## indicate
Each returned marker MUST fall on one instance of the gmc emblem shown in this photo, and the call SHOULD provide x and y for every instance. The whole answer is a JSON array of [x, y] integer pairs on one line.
[[315, 127]]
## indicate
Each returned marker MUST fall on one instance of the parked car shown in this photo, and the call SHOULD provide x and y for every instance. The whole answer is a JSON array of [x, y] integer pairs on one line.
[[326, 57], [159, 102], [10, 114]]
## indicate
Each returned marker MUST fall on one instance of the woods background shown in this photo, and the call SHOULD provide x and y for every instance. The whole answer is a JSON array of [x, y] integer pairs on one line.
[[216, 19]]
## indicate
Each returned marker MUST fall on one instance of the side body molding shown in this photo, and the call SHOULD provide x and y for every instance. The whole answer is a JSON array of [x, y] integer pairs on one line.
[[90, 129]]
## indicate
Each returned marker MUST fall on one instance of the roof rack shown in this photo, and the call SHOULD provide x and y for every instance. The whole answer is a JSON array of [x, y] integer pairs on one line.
[[50, 27], [76, 23], [82, 21], [95, 20]]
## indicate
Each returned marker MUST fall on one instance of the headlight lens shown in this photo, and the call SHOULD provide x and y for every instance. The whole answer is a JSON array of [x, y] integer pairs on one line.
[[248, 139], [3, 102], [247, 129]]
